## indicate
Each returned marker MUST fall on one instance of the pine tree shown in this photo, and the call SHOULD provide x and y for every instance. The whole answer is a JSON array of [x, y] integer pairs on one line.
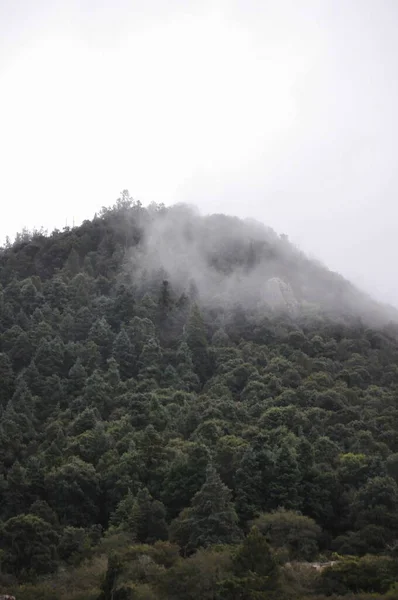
[[7, 379], [123, 353], [49, 357], [212, 518], [95, 393], [170, 378], [88, 266], [123, 307], [253, 480], [221, 339], [52, 396], [72, 265], [120, 517], [56, 292], [147, 520], [255, 571], [150, 361], [284, 486], [113, 374], [17, 487], [21, 351], [80, 290], [255, 556], [67, 327], [30, 297], [140, 331], [91, 356], [23, 320], [33, 379], [19, 417], [77, 377], [186, 476], [82, 322], [101, 334], [185, 368], [196, 338], [165, 319]]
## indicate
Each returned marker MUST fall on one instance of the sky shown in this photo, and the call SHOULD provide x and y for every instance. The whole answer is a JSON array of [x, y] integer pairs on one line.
[[279, 110]]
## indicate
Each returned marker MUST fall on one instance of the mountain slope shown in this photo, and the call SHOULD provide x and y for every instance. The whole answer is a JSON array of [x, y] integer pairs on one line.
[[169, 378]]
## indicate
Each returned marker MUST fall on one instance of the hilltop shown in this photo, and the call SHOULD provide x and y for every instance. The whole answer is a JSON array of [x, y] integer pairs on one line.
[[167, 381], [226, 259]]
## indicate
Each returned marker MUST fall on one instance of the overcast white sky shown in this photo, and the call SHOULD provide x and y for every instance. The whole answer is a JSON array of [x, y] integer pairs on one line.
[[282, 110]]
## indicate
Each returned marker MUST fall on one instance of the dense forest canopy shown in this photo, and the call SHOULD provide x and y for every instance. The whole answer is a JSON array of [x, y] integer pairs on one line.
[[191, 408]]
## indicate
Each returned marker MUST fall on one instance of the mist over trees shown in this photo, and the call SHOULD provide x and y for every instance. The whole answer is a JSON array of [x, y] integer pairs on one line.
[[191, 408]]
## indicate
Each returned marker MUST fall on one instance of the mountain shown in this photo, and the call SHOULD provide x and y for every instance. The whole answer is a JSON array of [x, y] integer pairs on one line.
[[192, 408]]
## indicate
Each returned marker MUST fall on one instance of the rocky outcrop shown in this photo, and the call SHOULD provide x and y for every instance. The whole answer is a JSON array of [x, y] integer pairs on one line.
[[279, 295]]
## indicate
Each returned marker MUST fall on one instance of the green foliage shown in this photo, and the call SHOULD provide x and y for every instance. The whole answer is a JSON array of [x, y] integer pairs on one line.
[[198, 576], [211, 519], [29, 544], [196, 339], [120, 386], [297, 534], [143, 517], [366, 574]]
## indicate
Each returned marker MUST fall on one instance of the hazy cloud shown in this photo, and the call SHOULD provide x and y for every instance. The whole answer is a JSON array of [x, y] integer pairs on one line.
[[280, 110]]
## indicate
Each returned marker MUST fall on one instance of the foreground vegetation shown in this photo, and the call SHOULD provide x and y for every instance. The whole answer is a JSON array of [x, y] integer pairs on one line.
[[159, 444]]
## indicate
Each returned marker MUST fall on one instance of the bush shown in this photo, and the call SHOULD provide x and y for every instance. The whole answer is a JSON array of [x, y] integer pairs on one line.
[[288, 529], [367, 574]]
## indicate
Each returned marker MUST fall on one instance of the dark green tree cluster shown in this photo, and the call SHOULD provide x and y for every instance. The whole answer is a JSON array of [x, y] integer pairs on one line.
[[130, 405]]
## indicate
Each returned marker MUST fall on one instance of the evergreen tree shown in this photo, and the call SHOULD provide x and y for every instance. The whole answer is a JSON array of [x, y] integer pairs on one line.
[[196, 339], [77, 377], [123, 354], [95, 393], [147, 520], [72, 265], [150, 361], [185, 368], [23, 320], [29, 546], [16, 495], [19, 417], [49, 357], [220, 339], [91, 356], [120, 517], [255, 557], [123, 307], [170, 378], [82, 322], [88, 266], [80, 288], [56, 292], [21, 351], [185, 477], [253, 481], [67, 327], [283, 490], [255, 571], [101, 334], [113, 374], [212, 518], [7, 379], [73, 490]]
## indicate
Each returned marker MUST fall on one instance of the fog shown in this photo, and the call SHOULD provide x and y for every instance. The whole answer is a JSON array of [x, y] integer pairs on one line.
[[225, 259], [278, 110], [224, 262]]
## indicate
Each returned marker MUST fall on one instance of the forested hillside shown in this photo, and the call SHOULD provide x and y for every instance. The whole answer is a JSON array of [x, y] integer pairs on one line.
[[192, 409]]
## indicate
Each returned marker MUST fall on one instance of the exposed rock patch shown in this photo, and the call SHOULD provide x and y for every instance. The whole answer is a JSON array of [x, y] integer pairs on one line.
[[279, 295]]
